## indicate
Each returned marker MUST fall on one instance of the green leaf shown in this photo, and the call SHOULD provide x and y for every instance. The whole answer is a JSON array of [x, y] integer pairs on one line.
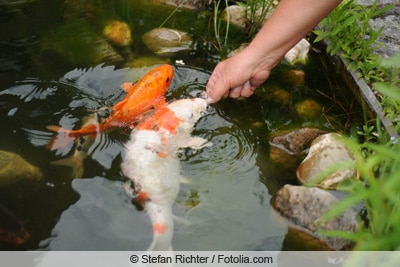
[[388, 90]]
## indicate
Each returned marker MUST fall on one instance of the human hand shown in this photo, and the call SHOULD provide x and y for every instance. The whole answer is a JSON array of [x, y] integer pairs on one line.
[[234, 77]]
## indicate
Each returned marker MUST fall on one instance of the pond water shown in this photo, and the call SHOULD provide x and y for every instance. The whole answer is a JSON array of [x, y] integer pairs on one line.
[[51, 75]]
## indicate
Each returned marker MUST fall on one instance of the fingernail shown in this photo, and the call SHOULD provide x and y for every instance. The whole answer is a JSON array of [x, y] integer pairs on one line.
[[235, 90], [246, 85], [209, 100]]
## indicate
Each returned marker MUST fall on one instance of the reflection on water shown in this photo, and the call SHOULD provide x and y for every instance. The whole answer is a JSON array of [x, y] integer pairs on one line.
[[227, 201], [102, 219], [224, 177]]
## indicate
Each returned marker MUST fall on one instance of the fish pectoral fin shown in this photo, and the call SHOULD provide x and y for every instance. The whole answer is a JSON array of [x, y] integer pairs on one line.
[[181, 220]]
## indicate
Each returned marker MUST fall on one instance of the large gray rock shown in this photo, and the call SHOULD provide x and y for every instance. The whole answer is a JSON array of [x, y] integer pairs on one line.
[[303, 208], [235, 14], [288, 147], [327, 152], [167, 42], [390, 21]]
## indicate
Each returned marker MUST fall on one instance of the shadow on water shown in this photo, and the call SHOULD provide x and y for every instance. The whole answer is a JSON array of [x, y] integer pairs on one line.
[[48, 81]]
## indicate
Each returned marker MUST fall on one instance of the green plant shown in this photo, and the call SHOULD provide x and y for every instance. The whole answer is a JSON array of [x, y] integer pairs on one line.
[[256, 13], [378, 189], [218, 25], [390, 99], [349, 32]]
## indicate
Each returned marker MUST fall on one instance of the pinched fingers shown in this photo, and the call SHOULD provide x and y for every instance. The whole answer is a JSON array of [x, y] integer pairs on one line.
[[245, 90]]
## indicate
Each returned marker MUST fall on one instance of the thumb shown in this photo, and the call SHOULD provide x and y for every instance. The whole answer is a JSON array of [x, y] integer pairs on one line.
[[216, 88]]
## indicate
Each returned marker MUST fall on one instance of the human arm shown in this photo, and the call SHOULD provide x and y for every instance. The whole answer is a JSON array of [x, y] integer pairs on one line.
[[243, 72]]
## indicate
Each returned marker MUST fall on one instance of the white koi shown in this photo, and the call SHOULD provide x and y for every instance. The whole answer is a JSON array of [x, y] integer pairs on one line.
[[151, 161]]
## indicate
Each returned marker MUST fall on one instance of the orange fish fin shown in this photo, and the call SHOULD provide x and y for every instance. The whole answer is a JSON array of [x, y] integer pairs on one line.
[[127, 87], [54, 128], [60, 139]]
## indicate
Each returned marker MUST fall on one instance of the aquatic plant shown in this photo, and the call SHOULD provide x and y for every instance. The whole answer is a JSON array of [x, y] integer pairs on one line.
[[217, 25], [257, 13]]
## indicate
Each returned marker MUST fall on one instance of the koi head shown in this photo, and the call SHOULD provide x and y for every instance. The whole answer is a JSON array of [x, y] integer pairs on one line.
[[163, 75], [188, 111], [181, 114]]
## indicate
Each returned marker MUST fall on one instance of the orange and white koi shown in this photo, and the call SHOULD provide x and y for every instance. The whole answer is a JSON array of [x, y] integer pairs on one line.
[[150, 160], [147, 93]]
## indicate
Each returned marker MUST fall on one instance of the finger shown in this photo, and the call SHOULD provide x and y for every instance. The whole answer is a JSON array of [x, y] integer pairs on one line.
[[212, 93], [247, 89], [235, 92]]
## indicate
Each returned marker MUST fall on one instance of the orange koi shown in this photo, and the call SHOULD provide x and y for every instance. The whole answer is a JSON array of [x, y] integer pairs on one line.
[[147, 93], [11, 230]]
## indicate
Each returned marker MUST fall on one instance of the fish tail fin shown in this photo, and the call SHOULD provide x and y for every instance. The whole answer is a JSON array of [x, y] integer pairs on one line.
[[54, 128], [60, 139], [159, 243], [163, 226]]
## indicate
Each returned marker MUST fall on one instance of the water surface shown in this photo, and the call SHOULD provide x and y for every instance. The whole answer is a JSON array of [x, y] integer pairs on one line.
[[49, 77]]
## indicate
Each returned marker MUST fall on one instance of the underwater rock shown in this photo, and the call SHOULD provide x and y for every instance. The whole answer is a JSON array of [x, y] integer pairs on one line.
[[297, 140], [326, 151], [308, 109], [189, 4], [167, 42], [278, 95], [77, 42], [299, 53], [303, 207], [287, 148], [146, 61], [235, 14], [294, 77], [118, 33], [14, 168]]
